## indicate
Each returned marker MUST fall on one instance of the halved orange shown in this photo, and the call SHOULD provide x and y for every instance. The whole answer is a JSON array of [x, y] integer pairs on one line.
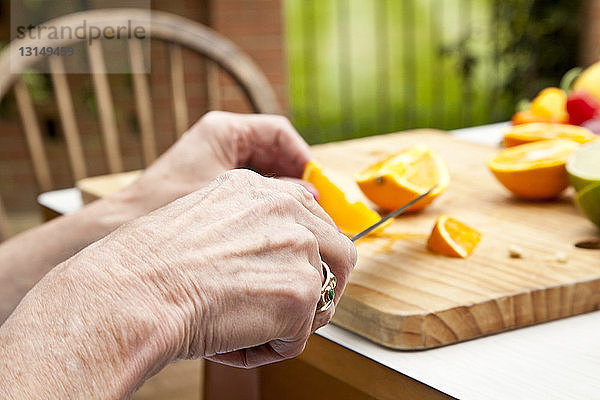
[[534, 171], [351, 218], [400, 178], [534, 132], [452, 238]]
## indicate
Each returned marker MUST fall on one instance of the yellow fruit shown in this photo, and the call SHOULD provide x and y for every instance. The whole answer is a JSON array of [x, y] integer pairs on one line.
[[534, 132], [351, 218], [589, 80], [551, 103], [398, 179], [534, 171], [452, 238]]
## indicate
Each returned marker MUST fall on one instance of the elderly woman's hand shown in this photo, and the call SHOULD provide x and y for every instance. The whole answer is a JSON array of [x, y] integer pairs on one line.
[[231, 272], [219, 142]]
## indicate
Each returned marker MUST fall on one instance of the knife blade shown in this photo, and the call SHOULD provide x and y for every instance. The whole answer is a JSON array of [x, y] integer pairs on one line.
[[393, 214]]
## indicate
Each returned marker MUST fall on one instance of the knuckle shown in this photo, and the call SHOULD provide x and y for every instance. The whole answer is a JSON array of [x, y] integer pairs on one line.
[[301, 296], [282, 120], [302, 194], [284, 202], [212, 116], [308, 241], [302, 240]]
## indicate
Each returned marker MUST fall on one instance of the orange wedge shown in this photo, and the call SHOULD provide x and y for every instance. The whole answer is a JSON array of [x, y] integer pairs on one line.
[[534, 132], [452, 238], [400, 178], [351, 218], [534, 171]]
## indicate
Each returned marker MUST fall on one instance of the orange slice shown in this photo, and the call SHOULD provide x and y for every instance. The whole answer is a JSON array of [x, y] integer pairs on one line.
[[527, 117], [400, 178], [534, 132], [452, 238], [534, 171], [351, 218]]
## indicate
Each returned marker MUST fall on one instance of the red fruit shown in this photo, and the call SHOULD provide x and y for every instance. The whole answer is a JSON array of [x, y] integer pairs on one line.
[[581, 107]]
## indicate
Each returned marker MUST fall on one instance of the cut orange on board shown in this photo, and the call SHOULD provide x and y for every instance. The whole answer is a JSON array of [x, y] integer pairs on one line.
[[534, 171], [351, 218], [534, 132], [400, 178], [452, 238]]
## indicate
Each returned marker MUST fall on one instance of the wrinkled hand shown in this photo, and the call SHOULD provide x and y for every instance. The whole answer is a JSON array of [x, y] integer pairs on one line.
[[233, 270], [219, 142]]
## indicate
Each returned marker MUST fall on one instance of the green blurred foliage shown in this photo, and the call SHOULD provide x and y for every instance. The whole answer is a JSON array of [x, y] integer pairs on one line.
[[359, 68]]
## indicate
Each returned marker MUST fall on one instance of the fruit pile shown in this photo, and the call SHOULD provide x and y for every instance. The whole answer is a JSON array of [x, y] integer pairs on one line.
[[550, 145], [579, 107]]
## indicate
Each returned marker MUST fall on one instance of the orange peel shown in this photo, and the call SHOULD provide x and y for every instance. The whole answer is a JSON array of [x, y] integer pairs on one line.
[[533, 132], [534, 171]]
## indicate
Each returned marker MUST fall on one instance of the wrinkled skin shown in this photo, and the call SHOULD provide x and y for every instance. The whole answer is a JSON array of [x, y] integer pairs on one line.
[[229, 271]]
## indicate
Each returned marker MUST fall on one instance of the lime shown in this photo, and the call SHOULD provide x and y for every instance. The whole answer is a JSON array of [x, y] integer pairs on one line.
[[583, 165], [588, 201]]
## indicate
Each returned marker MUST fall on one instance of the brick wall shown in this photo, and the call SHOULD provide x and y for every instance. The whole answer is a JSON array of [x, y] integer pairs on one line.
[[254, 25]]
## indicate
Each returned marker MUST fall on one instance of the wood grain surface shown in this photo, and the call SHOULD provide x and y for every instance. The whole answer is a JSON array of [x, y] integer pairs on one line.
[[97, 187], [405, 297]]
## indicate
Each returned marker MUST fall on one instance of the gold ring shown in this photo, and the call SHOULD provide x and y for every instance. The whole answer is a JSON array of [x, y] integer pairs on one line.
[[327, 290]]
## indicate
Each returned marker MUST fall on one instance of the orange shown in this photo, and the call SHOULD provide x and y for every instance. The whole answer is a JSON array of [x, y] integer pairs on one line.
[[400, 178], [533, 132], [452, 238], [351, 218], [527, 117], [534, 171]]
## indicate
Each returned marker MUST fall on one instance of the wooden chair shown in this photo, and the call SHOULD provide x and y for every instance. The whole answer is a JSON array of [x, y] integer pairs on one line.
[[177, 32]]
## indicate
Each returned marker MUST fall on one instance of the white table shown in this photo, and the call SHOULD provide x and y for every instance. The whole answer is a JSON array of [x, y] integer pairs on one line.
[[555, 360]]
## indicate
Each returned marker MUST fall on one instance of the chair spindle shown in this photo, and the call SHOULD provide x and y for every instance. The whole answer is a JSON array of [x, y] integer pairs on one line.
[[33, 136], [108, 121], [180, 109], [67, 116]]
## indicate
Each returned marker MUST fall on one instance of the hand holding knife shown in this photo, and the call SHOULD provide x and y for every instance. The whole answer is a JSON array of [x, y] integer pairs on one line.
[[327, 290]]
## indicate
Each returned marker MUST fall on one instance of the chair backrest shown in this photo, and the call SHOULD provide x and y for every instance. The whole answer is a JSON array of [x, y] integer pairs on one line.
[[178, 32]]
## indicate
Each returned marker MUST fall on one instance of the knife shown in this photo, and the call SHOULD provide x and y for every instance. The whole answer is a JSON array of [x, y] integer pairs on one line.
[[393, 214]]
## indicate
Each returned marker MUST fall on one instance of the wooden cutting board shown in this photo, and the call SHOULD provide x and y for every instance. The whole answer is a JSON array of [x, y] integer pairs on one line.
[[405, 297]]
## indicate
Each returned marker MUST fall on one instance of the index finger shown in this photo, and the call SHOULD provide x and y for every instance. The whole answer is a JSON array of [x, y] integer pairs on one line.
[[274, 147]]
